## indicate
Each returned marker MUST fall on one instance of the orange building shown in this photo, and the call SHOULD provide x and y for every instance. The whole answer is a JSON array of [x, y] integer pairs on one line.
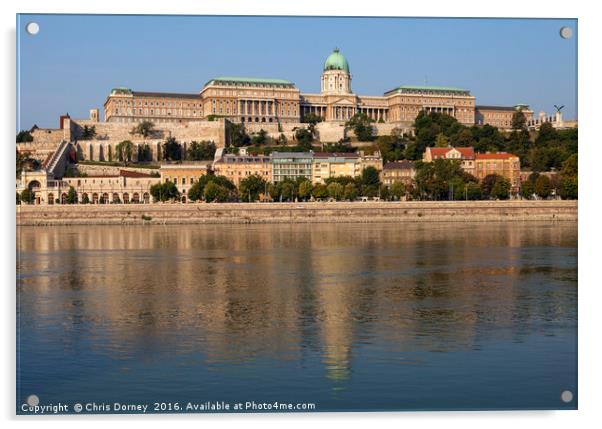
[[501, 163]]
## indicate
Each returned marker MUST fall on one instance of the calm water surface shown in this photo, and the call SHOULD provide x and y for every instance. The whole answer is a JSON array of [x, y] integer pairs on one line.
[[348, 316]]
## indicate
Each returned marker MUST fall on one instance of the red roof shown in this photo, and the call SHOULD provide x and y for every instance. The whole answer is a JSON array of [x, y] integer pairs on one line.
[[440, 152], [499, 155], [129, 173]]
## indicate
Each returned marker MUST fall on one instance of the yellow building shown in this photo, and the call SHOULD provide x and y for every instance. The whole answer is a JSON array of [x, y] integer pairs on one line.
[[326, 165], [398, 171], [238, 167], [183, 175]]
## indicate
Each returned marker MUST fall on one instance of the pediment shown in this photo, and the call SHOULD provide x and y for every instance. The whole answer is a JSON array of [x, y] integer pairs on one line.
[[344, 102]]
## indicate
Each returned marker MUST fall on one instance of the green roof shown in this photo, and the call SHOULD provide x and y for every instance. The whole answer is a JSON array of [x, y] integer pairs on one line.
[[250, 81], [121, 90], [336, 61], [420, 88]]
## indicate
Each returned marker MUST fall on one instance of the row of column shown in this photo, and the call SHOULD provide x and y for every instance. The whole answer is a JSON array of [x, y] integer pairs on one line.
[[342, 113], [316, 110], [257, 107], [375, 113], [440, 109]]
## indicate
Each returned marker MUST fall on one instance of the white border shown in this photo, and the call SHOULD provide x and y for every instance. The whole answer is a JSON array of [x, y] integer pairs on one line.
[[590, 74]]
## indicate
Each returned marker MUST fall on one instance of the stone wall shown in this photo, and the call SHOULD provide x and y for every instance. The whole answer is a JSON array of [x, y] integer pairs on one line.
[[214, 131], [287, 128], [330, 132], [367, 212], [109, 170]]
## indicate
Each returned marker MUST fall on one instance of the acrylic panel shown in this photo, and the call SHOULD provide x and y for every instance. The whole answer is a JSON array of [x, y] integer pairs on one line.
[[228, 214]]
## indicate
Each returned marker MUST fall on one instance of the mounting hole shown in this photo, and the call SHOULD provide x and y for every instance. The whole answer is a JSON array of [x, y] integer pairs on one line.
[[33, 400], [566, 396], [566, 32], [32, 28]]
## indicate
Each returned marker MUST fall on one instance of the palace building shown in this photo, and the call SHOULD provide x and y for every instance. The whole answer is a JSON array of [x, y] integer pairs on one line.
[[255, 100]]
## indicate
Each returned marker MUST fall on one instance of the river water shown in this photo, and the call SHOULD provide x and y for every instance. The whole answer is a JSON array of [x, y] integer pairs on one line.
[[344, 316]]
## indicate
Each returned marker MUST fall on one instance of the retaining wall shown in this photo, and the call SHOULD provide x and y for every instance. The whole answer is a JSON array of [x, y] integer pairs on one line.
[[366, 212]]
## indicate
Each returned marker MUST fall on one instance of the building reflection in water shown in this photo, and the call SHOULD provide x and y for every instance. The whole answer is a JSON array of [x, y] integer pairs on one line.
[[234, 294]]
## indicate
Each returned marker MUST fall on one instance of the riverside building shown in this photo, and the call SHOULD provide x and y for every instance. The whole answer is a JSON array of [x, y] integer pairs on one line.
[[480, 165]]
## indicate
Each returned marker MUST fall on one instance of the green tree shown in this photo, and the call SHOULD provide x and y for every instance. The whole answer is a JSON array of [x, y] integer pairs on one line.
[[216, 193], [165, 191], [570, 166], [144, 129], [197, 190], [336, 191], [569, 178], [441, 179], [282, 140], [527, 189], [287, 190], [488, 183], [144, 153], [320, 191], [392, 147], [261, 138], [251, 187], [305, 188], [361, 125], [304, 139], [27, 196], [568, 187], [88, 132], [519, 121], [85, 199], [236, 135], [473, 191], [370, 176], [18, 198], [71, 196], [351, 192], [200, 151], [125, 149], [172, 150], [543, 187], [501, 189], [24, 137], [398, 190], [311, 118], [441, 140]]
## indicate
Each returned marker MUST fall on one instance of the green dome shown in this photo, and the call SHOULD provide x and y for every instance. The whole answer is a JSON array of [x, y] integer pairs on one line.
[[336, 61]]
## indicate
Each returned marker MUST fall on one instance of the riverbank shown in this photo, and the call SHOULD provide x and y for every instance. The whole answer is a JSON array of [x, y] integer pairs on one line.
[[317, 212]]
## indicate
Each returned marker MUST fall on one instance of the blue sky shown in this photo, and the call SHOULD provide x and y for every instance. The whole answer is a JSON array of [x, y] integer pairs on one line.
[[75, 60]]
